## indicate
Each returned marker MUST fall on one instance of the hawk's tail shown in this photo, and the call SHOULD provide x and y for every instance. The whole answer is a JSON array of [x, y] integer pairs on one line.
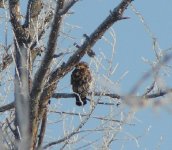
[[81, 101]]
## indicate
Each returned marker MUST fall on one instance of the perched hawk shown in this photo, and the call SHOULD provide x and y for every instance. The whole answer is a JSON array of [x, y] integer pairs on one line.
[[81, 80]]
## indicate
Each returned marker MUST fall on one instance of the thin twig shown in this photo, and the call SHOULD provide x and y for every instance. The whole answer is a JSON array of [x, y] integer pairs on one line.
[[149, 89], [83, 115], [15, 133]]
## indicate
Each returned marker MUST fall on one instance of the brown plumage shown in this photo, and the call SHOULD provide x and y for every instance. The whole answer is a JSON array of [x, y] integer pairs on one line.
[[81, 80]]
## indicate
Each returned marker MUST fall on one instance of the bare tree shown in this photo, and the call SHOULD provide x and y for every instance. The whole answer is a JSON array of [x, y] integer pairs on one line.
[[39, 66]]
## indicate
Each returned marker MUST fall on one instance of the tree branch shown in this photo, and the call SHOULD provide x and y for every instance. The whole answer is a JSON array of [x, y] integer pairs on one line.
[[33, 10], [159, 94], [15, 13], [72, 95], [6, 61], [112, 95], [42, 29], [40, 75], [14, 131], [21, 34], [44, 67], [3, 3], [43, 128], [7, 107]]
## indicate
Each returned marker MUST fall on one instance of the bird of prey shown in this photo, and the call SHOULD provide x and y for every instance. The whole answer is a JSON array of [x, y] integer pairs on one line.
[[81, 80]]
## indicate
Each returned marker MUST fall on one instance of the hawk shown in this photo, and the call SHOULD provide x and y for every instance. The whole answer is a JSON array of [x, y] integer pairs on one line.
[[81, 80]]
